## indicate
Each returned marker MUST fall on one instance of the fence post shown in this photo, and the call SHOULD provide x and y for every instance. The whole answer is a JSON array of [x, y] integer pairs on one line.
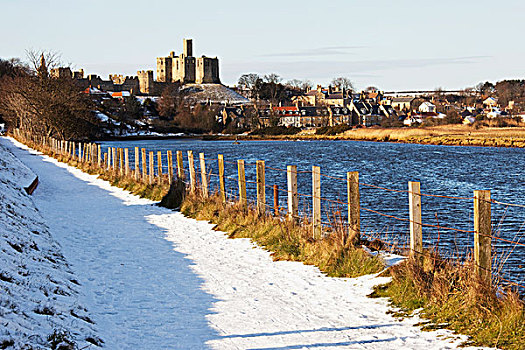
[[482, 235], [416, 227], [159, 166], [126, 161], [204, 178], [79, 151], [354, 207], [151, 168], [170, 166], [114, 158], [144, 167], [180, 165], [191, 167], [222, 183], [105, 161], [99, 155], [242, 183], [316, 205], [136, 163], [293, 200], [120, 161], [276, 200], [261, 188]]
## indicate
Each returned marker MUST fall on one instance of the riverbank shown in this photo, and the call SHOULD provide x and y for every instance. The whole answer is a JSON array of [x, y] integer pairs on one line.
[[154, 278], [450, 135]]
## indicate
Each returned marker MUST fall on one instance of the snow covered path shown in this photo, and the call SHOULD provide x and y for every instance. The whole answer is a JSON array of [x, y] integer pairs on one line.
[[153, 279]]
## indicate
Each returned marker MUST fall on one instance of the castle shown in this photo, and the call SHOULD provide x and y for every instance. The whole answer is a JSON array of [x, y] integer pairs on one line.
[[187, 69], [184, 68]]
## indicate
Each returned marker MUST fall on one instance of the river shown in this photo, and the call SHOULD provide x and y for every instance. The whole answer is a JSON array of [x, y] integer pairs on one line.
[[454, 171]]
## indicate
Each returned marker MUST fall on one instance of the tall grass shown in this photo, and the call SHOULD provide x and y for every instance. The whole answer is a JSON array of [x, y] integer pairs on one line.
[[286, 240], [452, 296]]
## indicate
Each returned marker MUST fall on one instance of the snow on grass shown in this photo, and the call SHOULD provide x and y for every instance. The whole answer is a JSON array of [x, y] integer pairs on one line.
[[38, 291], [154, 279]]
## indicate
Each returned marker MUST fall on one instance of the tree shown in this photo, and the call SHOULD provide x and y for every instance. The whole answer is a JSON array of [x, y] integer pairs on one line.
[[297, 84], [272, 78], [342, 83], [485, 88], [46, 106], [170, 100], [247, 81]]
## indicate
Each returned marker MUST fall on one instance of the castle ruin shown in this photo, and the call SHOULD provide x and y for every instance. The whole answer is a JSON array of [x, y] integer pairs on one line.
[[187, 69]]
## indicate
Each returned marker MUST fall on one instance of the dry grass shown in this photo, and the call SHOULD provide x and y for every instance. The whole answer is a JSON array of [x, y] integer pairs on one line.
[[457, 135], [453, 297], [333, 253]]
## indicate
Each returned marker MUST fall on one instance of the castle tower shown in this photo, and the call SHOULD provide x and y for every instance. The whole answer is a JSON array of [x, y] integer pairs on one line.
[[146, 82], [188, 47], [207, 70], [164, 68]]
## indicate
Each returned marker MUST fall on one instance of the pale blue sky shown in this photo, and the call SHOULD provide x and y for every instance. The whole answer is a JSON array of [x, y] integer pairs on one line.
[[401, 44]]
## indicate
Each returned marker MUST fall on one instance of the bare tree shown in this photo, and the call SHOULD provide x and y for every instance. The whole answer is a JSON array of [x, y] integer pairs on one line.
[[247, 81], [342, 83], [272, 78]]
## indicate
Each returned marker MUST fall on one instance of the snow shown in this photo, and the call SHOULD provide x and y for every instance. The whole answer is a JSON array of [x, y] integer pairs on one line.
[[154, 279], [34, 275]]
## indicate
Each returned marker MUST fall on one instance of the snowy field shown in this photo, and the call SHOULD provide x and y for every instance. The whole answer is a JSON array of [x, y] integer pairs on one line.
[[152, 279]]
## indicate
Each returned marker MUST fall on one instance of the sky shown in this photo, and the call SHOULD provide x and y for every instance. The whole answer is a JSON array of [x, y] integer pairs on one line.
[[393, 45]]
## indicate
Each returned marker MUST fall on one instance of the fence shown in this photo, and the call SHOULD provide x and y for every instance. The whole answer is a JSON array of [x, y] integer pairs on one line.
[[158, 168]]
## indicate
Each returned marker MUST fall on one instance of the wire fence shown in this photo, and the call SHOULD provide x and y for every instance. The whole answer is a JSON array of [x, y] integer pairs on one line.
[[273, 189]]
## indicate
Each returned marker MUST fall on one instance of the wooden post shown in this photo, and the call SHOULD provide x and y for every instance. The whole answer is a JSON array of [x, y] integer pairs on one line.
[[416, 231], [151, 168], [261, 190], [293, 199], [144, 166], [222, 183], [482, 235], [316, 204], [191, 166], [180, 165], [242, 183], [170, 166], [108, 165], [276, 200], [126, 162], [99, 156], [79, 151], [105, 160], [114, 158], [120, 161], [159, 165], [136, 163], [204, 177], [354, 207]]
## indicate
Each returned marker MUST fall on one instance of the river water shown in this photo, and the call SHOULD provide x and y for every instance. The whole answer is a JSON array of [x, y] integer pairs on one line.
[[454, 171]]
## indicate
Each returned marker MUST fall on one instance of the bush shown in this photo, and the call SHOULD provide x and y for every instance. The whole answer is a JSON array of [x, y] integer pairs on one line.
[[332, 130]]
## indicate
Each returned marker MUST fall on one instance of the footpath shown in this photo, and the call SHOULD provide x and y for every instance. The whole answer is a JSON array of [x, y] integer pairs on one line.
[[151, 278]]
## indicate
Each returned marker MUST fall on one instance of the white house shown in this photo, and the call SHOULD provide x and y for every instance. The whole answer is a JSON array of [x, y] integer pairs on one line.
[[427, 107], [490, 102]]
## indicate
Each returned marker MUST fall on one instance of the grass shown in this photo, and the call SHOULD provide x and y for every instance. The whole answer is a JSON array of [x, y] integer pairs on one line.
[[452, 135], [449, 296], [453, 297], [333, 253]]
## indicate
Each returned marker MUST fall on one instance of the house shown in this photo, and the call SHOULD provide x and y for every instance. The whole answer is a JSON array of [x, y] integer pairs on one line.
[[490, 102], [402, 103], [411, 120], [469, 120], [289, 116], [427, 107]]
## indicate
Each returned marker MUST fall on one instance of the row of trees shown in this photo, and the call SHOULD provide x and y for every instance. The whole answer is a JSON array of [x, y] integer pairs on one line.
[[34, 101]]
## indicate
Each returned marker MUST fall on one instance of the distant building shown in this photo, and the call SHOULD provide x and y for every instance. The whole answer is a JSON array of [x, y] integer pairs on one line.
[[427, 107], [187, 69], [402, 103]]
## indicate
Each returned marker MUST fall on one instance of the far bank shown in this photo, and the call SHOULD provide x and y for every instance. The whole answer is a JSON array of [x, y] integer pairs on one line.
[[452, 135]]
